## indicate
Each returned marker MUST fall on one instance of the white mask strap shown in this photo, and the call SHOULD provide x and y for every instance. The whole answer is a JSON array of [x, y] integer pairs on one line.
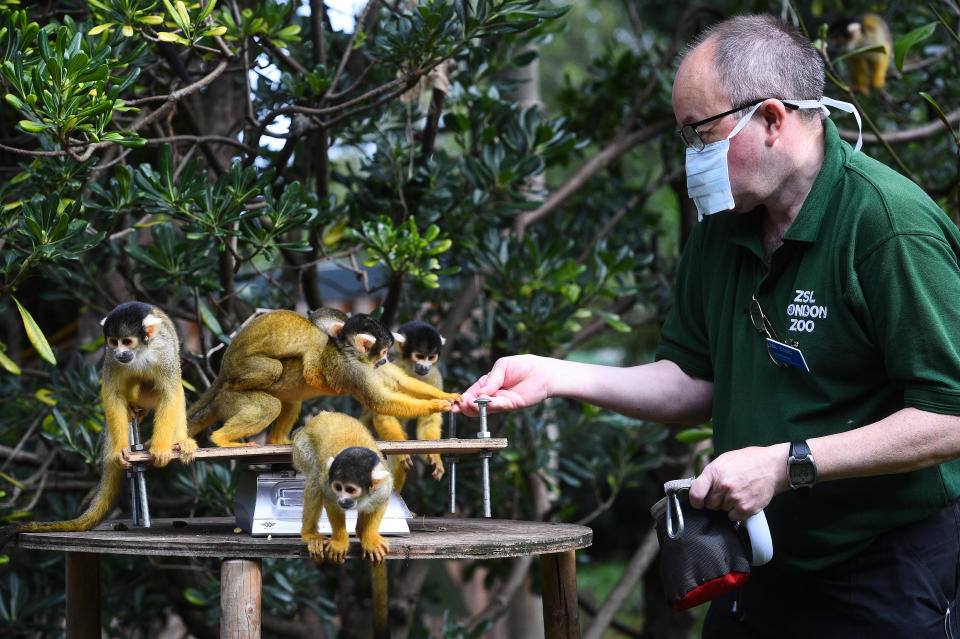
[[744, 120], [823, 103]]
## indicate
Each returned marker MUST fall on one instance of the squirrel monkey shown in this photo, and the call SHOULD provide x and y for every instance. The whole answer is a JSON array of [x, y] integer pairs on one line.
[[868, 70], [420, 346], [344, 469], [282, 358], [141, 371]]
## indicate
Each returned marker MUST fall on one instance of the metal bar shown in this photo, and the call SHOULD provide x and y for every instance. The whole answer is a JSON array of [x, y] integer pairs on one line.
[[138, 492], [481, 403], [452, 461]]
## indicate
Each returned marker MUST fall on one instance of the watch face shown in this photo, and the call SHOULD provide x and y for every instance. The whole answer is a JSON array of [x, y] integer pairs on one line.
[[801, 474]]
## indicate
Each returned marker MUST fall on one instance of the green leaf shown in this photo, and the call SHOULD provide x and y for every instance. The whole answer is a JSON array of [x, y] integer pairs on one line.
[[33, 127], [210, 320], [940, 114], [905, 42], [8, 364], [694, 435], [194, 596], [35, 335]]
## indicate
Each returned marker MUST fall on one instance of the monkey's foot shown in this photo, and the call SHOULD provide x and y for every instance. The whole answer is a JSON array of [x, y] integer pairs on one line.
[[315, 543], [437, 463], [406, 461], [336, 549], [187, 448], [161, 455], [454, 397], [376, 549]]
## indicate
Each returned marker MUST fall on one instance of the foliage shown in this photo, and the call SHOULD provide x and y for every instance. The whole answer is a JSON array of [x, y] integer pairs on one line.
[[218, 157]]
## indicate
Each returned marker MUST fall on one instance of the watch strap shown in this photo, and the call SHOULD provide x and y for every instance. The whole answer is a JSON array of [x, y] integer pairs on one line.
[[800, 456], [799, 450]]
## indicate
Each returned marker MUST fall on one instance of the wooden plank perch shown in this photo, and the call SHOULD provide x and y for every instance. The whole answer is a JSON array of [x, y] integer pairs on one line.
[[282, 452]]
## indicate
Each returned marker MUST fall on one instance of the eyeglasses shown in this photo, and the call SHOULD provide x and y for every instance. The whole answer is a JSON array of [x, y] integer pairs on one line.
[[690, 135], [765, 328]]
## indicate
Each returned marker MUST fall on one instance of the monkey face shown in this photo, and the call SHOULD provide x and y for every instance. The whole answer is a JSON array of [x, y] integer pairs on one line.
[[347, 494], [123, 348], [423, 362]]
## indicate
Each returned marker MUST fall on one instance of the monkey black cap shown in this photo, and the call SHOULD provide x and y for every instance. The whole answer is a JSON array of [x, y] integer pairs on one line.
[[355, 465], [126, 319]]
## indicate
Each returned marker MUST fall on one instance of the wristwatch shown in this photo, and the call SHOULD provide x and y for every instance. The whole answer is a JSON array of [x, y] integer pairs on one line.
[[801, 469]]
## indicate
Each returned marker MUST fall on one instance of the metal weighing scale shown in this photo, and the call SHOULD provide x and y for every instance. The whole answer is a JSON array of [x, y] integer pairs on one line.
[[271, 503]]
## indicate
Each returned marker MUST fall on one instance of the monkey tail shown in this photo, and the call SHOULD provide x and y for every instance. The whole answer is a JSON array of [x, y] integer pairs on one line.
[[378, 578], [111, 480], [202, 413]]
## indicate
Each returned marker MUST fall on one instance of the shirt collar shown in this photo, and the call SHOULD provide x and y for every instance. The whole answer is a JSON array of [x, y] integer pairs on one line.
[[806, 226]]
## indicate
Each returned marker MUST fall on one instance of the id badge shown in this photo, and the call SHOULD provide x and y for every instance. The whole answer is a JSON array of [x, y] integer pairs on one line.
[[788, 355]]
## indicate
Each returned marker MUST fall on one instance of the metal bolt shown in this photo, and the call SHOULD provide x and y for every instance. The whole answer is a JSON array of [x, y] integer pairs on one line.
[[481, 403]]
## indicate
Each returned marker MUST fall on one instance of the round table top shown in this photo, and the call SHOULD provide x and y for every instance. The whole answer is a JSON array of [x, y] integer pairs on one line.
[[429, 538]]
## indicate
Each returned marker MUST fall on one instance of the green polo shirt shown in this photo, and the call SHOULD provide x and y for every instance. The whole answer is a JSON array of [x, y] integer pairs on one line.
[[867, 281]]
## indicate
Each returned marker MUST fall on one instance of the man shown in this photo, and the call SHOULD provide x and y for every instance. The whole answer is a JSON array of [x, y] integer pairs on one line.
[[816, 325]]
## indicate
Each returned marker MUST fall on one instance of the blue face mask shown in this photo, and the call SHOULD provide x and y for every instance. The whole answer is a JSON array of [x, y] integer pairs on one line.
[[708, 179]]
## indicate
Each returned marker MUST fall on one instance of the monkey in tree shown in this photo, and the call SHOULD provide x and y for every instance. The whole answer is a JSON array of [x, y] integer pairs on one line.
[[141, 372], [420, 346], [344, 469], [868, 69], [282, 358]]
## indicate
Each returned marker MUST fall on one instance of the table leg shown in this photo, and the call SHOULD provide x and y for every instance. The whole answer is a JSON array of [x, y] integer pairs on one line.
[[240, 590], [83, 595], [560, 611]]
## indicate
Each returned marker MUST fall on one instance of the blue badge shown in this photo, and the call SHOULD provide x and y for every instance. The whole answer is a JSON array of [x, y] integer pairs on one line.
[[788, 355]]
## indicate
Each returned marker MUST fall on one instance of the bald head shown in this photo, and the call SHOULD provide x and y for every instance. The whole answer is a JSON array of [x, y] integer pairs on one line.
[[759, 56]]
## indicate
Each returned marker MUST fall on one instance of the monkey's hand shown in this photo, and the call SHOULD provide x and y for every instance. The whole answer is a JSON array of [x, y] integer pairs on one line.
[[187, 448], [315, 543], [435, 460], [374, 548], [120, 457], [161, 455], [336, 549], [406, 461]]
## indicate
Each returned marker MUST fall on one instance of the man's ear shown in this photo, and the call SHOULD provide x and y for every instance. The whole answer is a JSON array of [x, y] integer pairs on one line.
[[774, 113]]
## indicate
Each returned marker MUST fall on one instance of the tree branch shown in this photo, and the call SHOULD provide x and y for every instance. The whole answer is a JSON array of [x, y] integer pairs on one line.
[[638, 565], [922, 132], [586, 171]]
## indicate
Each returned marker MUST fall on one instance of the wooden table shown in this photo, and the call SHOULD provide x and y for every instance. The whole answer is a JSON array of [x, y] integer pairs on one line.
[[240, 578]]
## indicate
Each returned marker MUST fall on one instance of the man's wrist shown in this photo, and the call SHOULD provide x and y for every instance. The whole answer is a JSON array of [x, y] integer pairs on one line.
[[801, 466]]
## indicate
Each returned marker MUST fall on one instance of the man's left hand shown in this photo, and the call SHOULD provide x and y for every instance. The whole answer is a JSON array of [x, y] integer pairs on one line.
[[742, 482]]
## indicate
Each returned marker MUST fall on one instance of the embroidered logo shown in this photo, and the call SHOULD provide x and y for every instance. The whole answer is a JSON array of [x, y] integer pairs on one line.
[[803, 311]]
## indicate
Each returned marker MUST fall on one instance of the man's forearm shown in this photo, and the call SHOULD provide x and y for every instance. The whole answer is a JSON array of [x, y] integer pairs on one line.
[[659, 391], [907, 440]]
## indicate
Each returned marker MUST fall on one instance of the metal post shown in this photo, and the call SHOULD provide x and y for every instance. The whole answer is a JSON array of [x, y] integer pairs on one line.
[[138, 483], [452, 461], [481, 403]]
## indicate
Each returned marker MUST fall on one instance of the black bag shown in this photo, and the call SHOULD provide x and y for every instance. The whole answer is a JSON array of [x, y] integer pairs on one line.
[[702, 553]]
